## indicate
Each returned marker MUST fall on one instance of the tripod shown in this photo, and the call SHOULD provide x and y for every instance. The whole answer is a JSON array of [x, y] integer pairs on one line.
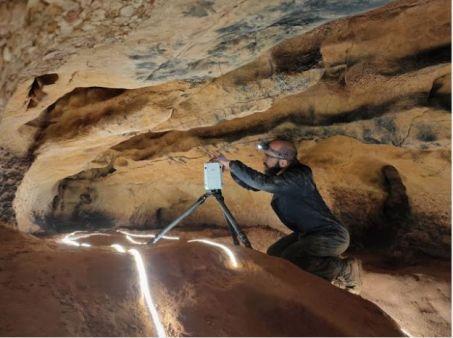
[[235, 231]]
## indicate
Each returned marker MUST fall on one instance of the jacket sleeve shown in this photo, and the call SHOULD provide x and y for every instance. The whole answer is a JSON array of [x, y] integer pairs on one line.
[[255, 179], [242, 184]]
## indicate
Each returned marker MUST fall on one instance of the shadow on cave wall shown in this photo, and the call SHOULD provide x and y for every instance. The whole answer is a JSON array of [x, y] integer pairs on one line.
[[393, 230], [394, 216], [80, 220], [67, 215]]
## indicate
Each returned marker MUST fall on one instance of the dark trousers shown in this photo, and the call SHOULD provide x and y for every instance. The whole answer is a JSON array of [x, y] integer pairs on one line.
[[317, 253]]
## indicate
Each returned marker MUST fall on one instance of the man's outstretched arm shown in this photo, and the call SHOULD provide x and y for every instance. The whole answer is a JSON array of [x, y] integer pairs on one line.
[[242, 184], [255, 179]]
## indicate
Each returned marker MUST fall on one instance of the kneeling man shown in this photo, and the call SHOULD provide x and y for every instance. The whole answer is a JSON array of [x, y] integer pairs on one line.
[[318, 238]]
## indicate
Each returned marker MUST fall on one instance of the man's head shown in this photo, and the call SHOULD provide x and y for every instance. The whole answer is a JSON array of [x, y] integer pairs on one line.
[[280, 154]]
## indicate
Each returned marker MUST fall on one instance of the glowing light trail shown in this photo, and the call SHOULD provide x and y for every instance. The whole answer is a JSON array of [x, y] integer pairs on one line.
[[67, 239], [130, 239], [118, 248], [146, 235], [406, 333], [144, 286], [70, 239], [146, 293], [226, 249], [70, 242], [136, 235], [143, 278], [90, 235]]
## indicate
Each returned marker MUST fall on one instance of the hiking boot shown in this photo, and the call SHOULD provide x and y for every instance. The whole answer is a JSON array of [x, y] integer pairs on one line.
[[353, 280], [350, 279]]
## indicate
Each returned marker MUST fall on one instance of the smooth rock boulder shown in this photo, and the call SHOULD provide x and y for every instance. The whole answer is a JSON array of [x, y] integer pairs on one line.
[[198, 288]]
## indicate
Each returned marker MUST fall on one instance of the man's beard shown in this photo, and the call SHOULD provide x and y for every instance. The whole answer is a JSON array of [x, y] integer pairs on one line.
[[272, 171]]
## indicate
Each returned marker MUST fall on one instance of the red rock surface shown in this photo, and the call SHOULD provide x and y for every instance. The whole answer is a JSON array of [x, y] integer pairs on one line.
[[50, 289]]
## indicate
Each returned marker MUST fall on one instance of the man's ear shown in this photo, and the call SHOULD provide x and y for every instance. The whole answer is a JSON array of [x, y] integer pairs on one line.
[[283, 163]]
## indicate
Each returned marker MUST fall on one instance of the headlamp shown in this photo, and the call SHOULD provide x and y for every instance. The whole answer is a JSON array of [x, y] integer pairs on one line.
[[263, 145], [282, 155]]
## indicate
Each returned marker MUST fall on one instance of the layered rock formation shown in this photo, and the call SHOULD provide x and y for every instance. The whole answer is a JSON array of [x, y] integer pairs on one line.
[[120, 105]]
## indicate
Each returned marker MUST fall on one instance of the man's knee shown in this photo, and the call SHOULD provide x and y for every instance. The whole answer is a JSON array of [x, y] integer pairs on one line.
[[328, 244], [273, 250], [294, 252], [344, 240], [278, 247], [299, 258]]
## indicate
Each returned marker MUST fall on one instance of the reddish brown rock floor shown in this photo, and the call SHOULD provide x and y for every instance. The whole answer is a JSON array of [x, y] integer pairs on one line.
[[51, 288]]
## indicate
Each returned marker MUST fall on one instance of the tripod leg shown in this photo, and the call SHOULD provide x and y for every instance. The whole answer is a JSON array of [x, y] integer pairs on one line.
[[233, 233], [242, 237], [192, 208]]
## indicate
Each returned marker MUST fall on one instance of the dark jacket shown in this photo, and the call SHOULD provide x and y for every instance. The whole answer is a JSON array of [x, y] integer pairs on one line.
[[296, 200]]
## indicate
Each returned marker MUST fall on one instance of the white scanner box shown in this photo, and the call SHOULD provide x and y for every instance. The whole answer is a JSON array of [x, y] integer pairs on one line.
[[213, 176]]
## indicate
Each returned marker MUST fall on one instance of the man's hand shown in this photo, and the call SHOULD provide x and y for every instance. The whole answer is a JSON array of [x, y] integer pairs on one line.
[[222, 160]]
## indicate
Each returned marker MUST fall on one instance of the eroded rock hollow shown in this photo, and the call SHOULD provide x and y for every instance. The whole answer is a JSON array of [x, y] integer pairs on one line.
[[109, 110]]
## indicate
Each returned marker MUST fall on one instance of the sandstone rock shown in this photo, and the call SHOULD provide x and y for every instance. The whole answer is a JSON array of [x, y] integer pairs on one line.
[[127, 11], [72, 15], [7, 54], [12, 170], [355, 94], [201, 295]]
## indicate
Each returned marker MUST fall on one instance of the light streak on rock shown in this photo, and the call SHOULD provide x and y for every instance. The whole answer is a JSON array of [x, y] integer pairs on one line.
[[70, 239], [146, 235], [70, 242], [89, 235], [67, 239], [227, 250], [175, 238], [118, 248], [130, 239], [406, 333], [136, 235], [143, 279], [144, 285]]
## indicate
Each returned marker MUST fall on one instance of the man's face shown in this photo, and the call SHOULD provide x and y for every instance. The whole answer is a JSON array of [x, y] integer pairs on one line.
[[271, 165]]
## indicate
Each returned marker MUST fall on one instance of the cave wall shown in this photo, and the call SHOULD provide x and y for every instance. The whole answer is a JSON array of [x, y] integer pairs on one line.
[[135, 44], [126, 102], [12, 170]]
